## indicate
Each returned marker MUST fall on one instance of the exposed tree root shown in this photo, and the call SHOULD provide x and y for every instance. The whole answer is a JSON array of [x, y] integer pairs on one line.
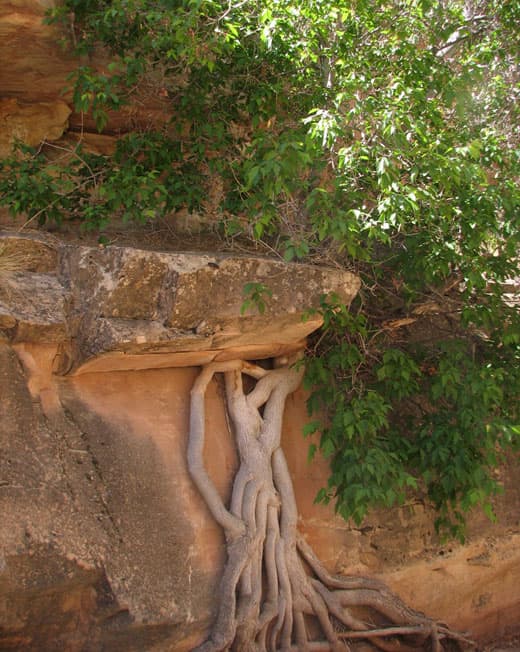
[[274, 594]]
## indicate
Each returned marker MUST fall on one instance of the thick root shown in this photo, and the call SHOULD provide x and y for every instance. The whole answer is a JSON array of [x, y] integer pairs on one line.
[[275, 596]]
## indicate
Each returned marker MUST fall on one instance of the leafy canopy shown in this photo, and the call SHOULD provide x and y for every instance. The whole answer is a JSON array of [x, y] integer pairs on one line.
[[382, 136]]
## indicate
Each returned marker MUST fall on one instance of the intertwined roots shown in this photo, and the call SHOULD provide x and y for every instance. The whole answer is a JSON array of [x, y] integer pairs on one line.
[[275, 595]]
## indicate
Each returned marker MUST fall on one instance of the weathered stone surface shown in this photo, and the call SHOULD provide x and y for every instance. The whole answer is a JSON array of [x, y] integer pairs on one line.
[[124, 308], [96, 542], [32, 308], [29, 252], [32, 300], [140, 302], [31, 123], [39, 64]]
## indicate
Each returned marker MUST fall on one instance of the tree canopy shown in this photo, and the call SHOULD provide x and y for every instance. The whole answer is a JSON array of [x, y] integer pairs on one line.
[[378, 136]]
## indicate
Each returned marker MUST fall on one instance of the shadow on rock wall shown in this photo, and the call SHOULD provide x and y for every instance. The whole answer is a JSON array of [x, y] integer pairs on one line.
[[107, 545]]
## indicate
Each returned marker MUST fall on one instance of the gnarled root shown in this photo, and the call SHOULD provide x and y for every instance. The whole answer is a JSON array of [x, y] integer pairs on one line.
[[275, 596]]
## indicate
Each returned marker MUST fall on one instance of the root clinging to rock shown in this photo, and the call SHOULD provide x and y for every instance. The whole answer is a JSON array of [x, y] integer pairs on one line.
[[275, 596]]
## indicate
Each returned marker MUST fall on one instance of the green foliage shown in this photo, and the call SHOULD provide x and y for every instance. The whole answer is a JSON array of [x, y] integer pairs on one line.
[[436, 417], [255, 296], [135, 183], [96, 93], [383, 138]]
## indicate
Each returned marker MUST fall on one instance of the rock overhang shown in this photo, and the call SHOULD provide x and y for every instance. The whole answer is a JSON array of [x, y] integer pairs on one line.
[[120, 308]]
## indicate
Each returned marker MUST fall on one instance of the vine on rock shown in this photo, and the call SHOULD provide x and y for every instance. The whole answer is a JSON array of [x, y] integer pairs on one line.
[[275, 595]]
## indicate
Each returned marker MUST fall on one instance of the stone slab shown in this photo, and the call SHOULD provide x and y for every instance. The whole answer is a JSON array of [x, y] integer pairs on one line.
[[113, 308], [32, 308]]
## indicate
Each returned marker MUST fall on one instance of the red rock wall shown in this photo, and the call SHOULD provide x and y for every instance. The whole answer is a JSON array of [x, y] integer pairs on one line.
[[103, 517], [35, 104]]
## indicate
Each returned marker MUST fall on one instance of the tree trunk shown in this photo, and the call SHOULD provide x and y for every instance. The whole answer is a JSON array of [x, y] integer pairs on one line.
[[274, 594]]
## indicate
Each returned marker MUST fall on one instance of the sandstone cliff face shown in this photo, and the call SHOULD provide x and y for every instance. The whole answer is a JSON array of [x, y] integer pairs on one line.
[[32, 76], [105, 543], [35, 104]]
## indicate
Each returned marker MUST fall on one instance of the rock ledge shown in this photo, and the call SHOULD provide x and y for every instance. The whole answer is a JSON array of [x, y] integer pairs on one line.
[[110, 308]]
